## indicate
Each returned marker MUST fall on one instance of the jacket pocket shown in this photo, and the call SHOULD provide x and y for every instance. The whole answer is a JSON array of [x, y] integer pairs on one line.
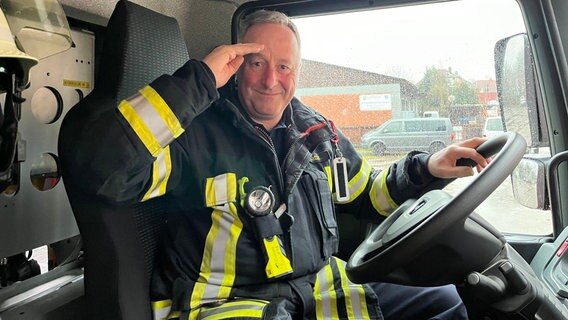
[[319, 196]]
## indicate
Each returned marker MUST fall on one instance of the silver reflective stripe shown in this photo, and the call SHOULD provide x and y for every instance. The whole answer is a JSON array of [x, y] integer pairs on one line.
[[379, 194], [218, 265], [324, 291], [359, 182], [161, 171], [221, 192], [218, 256], [352, 293], [152, 119], [355, 301], [161, 309]]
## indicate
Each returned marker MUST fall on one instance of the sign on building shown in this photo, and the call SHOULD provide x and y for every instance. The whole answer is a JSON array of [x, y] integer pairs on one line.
[[375, 102]]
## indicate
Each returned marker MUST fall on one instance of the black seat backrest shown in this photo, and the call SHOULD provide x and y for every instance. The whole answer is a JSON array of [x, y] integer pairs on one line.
[[120, 241]]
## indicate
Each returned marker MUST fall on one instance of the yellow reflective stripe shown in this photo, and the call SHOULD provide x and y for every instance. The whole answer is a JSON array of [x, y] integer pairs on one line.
[[151, 118], [355, 302], [317, 297], [233, 309], [210, 193], [197, 296], [329, 177], [359, 181], [331, 293], [161, 309], [379, 194], [163, 110], [140, 128], [220, 190], [161, 171], [231, 254], [326, 301], [235, 314], [218, 267]]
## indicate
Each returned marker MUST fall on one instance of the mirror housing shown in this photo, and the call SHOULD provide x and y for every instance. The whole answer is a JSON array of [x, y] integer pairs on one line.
[[529, 182]]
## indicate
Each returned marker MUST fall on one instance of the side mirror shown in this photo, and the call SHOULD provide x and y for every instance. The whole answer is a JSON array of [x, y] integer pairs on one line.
[[529, 182], [519, 98]]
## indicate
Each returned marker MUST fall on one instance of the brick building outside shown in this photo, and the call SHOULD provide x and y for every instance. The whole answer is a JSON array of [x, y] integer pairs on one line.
[[357, 101]]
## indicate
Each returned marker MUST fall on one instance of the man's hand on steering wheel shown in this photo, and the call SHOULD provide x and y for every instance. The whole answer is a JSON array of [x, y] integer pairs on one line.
[[444, 163]]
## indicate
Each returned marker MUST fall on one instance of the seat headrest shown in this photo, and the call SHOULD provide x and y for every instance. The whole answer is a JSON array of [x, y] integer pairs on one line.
[[140, 45]]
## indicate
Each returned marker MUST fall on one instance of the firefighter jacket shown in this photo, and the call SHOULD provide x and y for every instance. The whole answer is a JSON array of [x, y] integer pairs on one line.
[[180, 137]]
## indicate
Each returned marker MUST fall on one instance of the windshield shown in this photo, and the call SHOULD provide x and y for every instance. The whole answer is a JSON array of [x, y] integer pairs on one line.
[[362, 69]]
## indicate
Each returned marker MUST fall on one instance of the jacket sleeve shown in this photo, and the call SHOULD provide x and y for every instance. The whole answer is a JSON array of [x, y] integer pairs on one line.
[[126, 153], [375, 191]]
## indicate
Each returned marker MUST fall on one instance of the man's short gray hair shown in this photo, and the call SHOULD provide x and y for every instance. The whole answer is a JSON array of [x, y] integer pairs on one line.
[[266, 16]]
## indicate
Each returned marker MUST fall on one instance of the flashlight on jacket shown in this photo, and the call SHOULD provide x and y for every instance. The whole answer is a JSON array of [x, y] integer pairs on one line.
[[260, 203]]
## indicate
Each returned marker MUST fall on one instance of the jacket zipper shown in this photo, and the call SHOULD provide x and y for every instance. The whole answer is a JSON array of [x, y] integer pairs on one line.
[[266, 139]]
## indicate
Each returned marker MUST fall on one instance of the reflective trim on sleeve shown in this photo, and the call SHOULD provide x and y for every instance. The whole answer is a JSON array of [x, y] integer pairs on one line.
[[151, 119], [380, 197], [161, 310], [234, 309], [140, 128], [337, 297], [355, 301], [161, 170], [324, 294], [358, 183], [218, 267], [166, 114]]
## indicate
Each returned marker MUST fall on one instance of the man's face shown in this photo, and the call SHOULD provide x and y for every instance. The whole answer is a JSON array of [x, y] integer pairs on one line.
[[267, 80]]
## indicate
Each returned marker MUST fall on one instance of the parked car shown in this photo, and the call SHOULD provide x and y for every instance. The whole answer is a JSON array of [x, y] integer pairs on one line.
[[493, 127], [399, 135]]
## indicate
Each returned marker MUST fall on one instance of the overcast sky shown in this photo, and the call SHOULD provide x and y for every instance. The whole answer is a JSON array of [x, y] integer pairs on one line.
[[404, 41]]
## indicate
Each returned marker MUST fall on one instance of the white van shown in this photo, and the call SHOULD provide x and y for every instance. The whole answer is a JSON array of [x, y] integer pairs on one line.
[[493, 127], [401, 135]]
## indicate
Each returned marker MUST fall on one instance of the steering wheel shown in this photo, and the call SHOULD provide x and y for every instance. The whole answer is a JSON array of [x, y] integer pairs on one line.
[[412, 229]]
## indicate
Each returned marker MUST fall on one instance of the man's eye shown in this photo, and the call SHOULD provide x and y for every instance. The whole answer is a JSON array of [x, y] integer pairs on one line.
[[256, 64], [285, 68]]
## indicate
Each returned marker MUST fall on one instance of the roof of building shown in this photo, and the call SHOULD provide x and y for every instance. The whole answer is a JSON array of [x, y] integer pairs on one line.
[[315, 74]]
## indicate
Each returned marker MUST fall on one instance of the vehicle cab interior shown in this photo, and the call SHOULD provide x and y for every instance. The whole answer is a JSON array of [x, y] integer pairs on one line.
[[499, 236]]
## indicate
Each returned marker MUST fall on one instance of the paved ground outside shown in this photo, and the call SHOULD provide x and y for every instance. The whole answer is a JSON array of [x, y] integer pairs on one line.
[[500, 209]]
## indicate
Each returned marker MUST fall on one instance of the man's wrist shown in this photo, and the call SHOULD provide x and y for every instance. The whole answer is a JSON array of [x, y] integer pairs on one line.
[[418, 170]]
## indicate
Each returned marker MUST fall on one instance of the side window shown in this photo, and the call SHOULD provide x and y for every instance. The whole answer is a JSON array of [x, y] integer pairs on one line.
[[435, 126], [394, 127], [413, 126], [432, 60]]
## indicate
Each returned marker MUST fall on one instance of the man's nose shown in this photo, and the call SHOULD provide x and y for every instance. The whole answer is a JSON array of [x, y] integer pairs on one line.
[[270, 77]]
